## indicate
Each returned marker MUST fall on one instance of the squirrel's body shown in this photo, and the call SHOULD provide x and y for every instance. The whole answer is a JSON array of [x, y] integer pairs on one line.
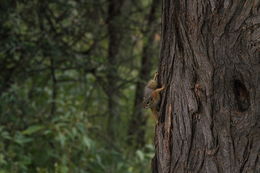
[[152, 95]]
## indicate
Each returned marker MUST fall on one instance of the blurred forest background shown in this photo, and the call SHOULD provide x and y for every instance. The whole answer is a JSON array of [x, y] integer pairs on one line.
[[72, 74]]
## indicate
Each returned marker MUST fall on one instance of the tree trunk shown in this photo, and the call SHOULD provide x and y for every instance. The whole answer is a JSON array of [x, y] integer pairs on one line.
[[114, 40], [210, 63], [138, 122]]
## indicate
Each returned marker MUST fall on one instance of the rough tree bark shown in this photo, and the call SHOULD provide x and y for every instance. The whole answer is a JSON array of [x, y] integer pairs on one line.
[[210, 110]]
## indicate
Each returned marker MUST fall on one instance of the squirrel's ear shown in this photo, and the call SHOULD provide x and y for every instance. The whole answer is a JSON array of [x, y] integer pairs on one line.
[[155, 75]]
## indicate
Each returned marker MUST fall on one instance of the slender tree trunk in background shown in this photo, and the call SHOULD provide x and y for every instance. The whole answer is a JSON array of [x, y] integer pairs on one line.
[[114, 37], [138, 121], [210, 111], [54, 86]]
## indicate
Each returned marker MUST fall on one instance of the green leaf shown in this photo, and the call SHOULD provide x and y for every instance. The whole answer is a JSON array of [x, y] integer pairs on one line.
[[6, 135], [2, 159], [32, 129], [20, 139], [61, 138], [140, 154], [87, 141]]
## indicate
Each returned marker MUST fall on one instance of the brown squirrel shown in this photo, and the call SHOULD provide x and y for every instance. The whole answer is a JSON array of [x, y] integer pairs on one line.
[[151, 97]]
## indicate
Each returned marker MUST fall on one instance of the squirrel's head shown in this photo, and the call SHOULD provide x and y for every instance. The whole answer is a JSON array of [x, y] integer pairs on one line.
[[152, 84]]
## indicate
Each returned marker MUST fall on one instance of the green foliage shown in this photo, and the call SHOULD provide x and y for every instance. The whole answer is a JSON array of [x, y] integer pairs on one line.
[[53, 87]]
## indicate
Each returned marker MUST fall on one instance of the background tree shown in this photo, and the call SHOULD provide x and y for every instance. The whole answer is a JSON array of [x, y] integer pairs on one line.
[[209, 119], [150, 51]]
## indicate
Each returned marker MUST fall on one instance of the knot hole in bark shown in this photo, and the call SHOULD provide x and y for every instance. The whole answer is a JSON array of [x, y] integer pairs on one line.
[[241, 96]]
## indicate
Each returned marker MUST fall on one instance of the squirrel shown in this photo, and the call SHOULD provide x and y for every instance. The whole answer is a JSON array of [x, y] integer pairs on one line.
[[151, 97]]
